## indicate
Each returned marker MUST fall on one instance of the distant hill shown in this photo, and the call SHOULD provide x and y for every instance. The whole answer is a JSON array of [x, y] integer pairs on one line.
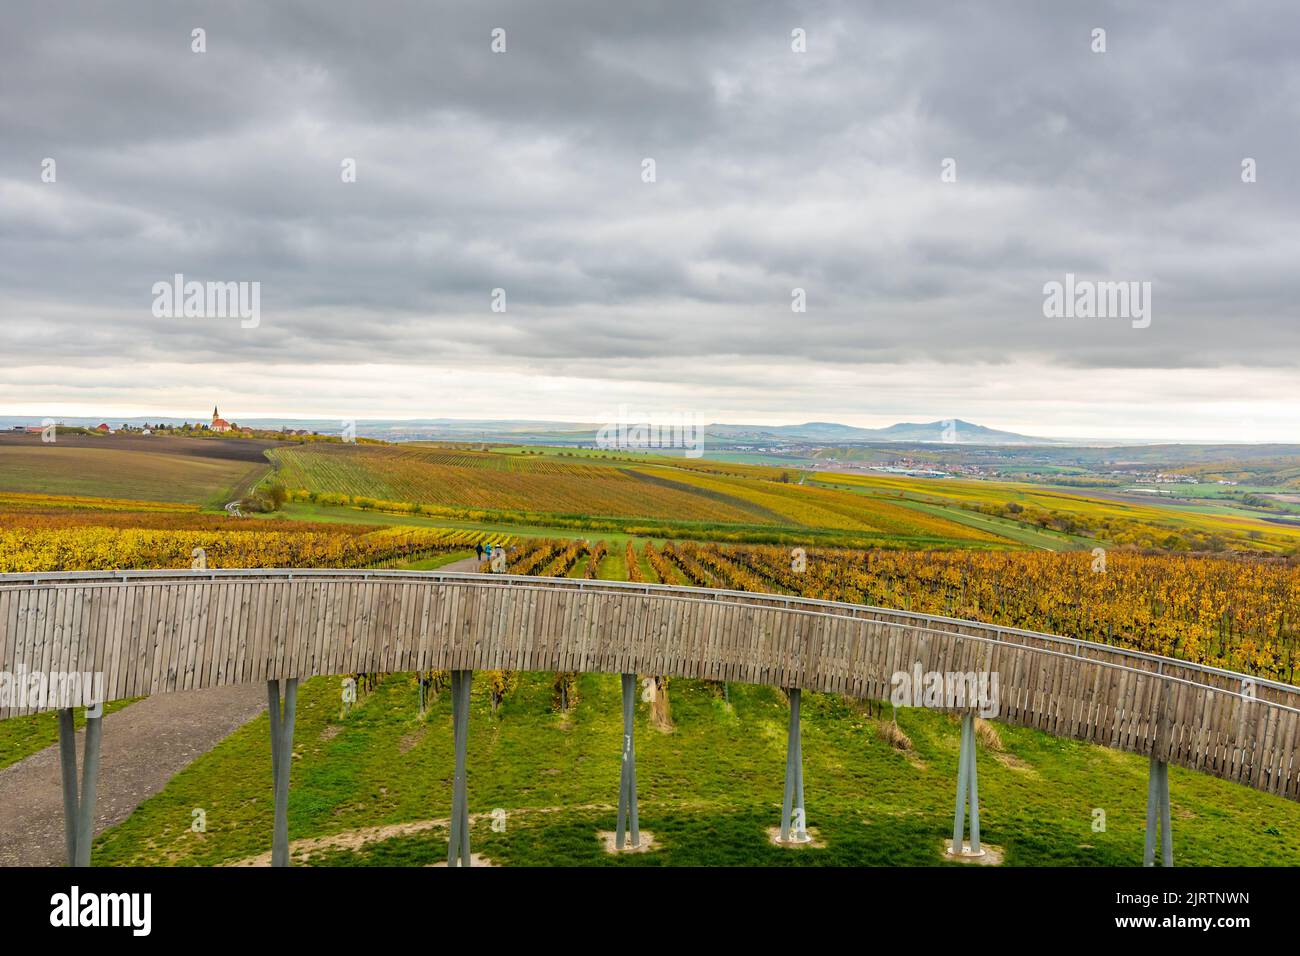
[[954, 431]]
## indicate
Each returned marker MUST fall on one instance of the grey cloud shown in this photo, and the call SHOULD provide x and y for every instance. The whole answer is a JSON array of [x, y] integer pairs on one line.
[[775, 170]]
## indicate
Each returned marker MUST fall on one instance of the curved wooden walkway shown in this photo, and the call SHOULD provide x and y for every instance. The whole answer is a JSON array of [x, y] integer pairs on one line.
[[157, 632]]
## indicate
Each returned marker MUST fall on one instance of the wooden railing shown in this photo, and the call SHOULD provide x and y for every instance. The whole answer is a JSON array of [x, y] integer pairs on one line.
[[153, 632]]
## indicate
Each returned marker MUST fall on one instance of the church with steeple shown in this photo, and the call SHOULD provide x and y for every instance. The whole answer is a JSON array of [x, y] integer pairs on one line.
[[219, 424]]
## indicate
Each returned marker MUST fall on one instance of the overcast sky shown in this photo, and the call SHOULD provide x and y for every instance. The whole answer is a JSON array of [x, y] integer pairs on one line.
[[774, 170]]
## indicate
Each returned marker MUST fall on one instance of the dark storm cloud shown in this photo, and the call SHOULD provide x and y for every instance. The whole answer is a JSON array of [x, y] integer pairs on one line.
[[775, 170]]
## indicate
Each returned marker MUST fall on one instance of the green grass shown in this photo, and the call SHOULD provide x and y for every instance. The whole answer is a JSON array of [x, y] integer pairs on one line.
[[23, 736], [1016, 531], [707, 791], [613, 567], [1019, 532]]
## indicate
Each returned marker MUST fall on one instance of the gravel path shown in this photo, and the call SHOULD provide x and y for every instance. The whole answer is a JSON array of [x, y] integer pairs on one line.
[[464, 564], [144, 746]]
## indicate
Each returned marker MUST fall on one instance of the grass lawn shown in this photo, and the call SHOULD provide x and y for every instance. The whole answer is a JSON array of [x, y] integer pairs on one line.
[[708, 790]]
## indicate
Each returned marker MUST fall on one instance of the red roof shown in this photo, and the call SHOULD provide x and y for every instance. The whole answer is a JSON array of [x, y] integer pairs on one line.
[[103, 428]]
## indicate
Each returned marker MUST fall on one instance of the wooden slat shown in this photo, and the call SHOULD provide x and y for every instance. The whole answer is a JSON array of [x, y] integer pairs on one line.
[[173, 631]]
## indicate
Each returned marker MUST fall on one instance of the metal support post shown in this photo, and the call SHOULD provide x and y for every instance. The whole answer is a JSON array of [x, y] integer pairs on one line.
[[628, 818], [794, 824], [967, 789], [281, 762], [458, 839], [1159, 822]]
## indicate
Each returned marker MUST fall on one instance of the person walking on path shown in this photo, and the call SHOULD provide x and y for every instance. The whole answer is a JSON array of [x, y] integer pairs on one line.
[[479, 549]]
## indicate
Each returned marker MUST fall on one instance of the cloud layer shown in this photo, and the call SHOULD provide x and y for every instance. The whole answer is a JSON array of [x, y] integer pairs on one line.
[[775, 170]]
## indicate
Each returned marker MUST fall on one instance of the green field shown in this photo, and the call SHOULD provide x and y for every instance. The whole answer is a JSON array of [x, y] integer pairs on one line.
[[1015, 531], [611, 493], [590, 493], [648, 497], [1088, 516], [708, 790], [22, 736]]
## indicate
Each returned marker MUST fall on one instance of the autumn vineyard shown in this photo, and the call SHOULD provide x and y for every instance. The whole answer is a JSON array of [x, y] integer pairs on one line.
[[1194, 584], [1238, 612], [122, 540], [1232, 613]]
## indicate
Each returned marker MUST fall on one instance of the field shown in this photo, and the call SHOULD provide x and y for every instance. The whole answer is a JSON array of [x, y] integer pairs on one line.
[[638, 494], [373, 787], [701, 499], [644, 496], [491, 482], [1108, 519]]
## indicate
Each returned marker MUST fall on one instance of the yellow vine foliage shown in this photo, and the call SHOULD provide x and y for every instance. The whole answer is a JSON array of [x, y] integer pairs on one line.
[[1241, 613], [31, 544]]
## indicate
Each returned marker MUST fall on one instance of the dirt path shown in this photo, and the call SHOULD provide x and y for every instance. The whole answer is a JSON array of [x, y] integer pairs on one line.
[[144, 746], [464, 564], [304, 849]]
